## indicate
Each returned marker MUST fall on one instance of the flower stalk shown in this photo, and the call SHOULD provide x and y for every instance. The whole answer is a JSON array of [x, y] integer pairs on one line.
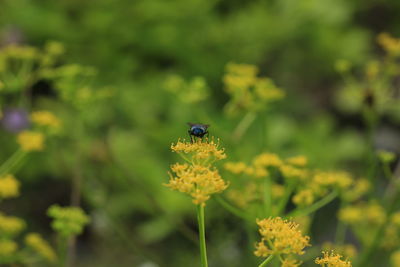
[[202, 235]]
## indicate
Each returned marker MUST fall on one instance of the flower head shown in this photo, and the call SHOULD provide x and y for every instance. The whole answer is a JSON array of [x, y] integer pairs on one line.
[[9, 186], [30, 141], [10, 225], [199, 152], [332, 260], [197, 178], [7, 247], [280, 237], [38, 244], [45, 118]]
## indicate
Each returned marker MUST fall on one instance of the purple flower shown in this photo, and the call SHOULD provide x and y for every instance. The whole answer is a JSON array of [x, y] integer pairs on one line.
[[15, 120]]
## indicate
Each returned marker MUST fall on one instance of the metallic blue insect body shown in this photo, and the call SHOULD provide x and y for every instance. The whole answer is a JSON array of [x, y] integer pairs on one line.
[[197, 130]]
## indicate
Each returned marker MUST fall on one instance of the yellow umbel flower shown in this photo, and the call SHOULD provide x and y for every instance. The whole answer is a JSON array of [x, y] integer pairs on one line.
[[299, 161], [340, 179], [10, 225], [198, 178], [267, 159], [199, 152], [30, 141], [303, 197], [45, 118], [332, 260], [197, 181], [7, 247], [280, 237], [235, 167], [40, 246], [390, 44], [9, 186]]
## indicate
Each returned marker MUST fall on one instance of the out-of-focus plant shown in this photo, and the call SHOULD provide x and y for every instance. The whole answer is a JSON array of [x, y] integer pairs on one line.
[[67, 223]]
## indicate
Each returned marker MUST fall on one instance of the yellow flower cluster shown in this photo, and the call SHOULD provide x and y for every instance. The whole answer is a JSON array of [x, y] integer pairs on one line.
[[197, 178], [7, 247], [391, 234], [303, 197], [290, 168], [9, 186], [248, 91], [46, 118], [10, 225], [280, 237], [199, 152], [332, 260], [340, 179], [30, 141], [40, 246], [390, 44], [371, 213]]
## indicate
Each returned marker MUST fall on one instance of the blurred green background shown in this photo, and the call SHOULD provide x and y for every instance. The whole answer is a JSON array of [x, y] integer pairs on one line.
[[120, 147]]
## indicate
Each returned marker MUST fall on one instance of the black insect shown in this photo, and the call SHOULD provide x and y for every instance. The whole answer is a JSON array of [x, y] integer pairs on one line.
[[197, 130]]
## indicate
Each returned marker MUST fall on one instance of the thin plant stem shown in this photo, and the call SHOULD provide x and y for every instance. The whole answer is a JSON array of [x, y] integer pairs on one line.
[[243, 125], [12, 161], [202, 235], [282, 204], [266, 261], [231, 208], [267, 197], [316, 206]]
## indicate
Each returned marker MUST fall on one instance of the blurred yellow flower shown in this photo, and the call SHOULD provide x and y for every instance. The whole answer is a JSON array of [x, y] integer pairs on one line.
[[364, 212], [9, 186], [267, 159], [7, 247], [340, 179], [45, 118], [31, 141], [332, 260], [289, 171], [304, 197], [359, 188], [10, 225], [280, 237], [38, 244], [300, 161], [390, 44], [235, 167]]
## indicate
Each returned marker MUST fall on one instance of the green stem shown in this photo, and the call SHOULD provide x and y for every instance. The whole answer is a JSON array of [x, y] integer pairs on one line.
[[12, 161], [266, 261], [267, 197], [231, 208], [243, 125], [282, 204], [316, 206], [202, 235]]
